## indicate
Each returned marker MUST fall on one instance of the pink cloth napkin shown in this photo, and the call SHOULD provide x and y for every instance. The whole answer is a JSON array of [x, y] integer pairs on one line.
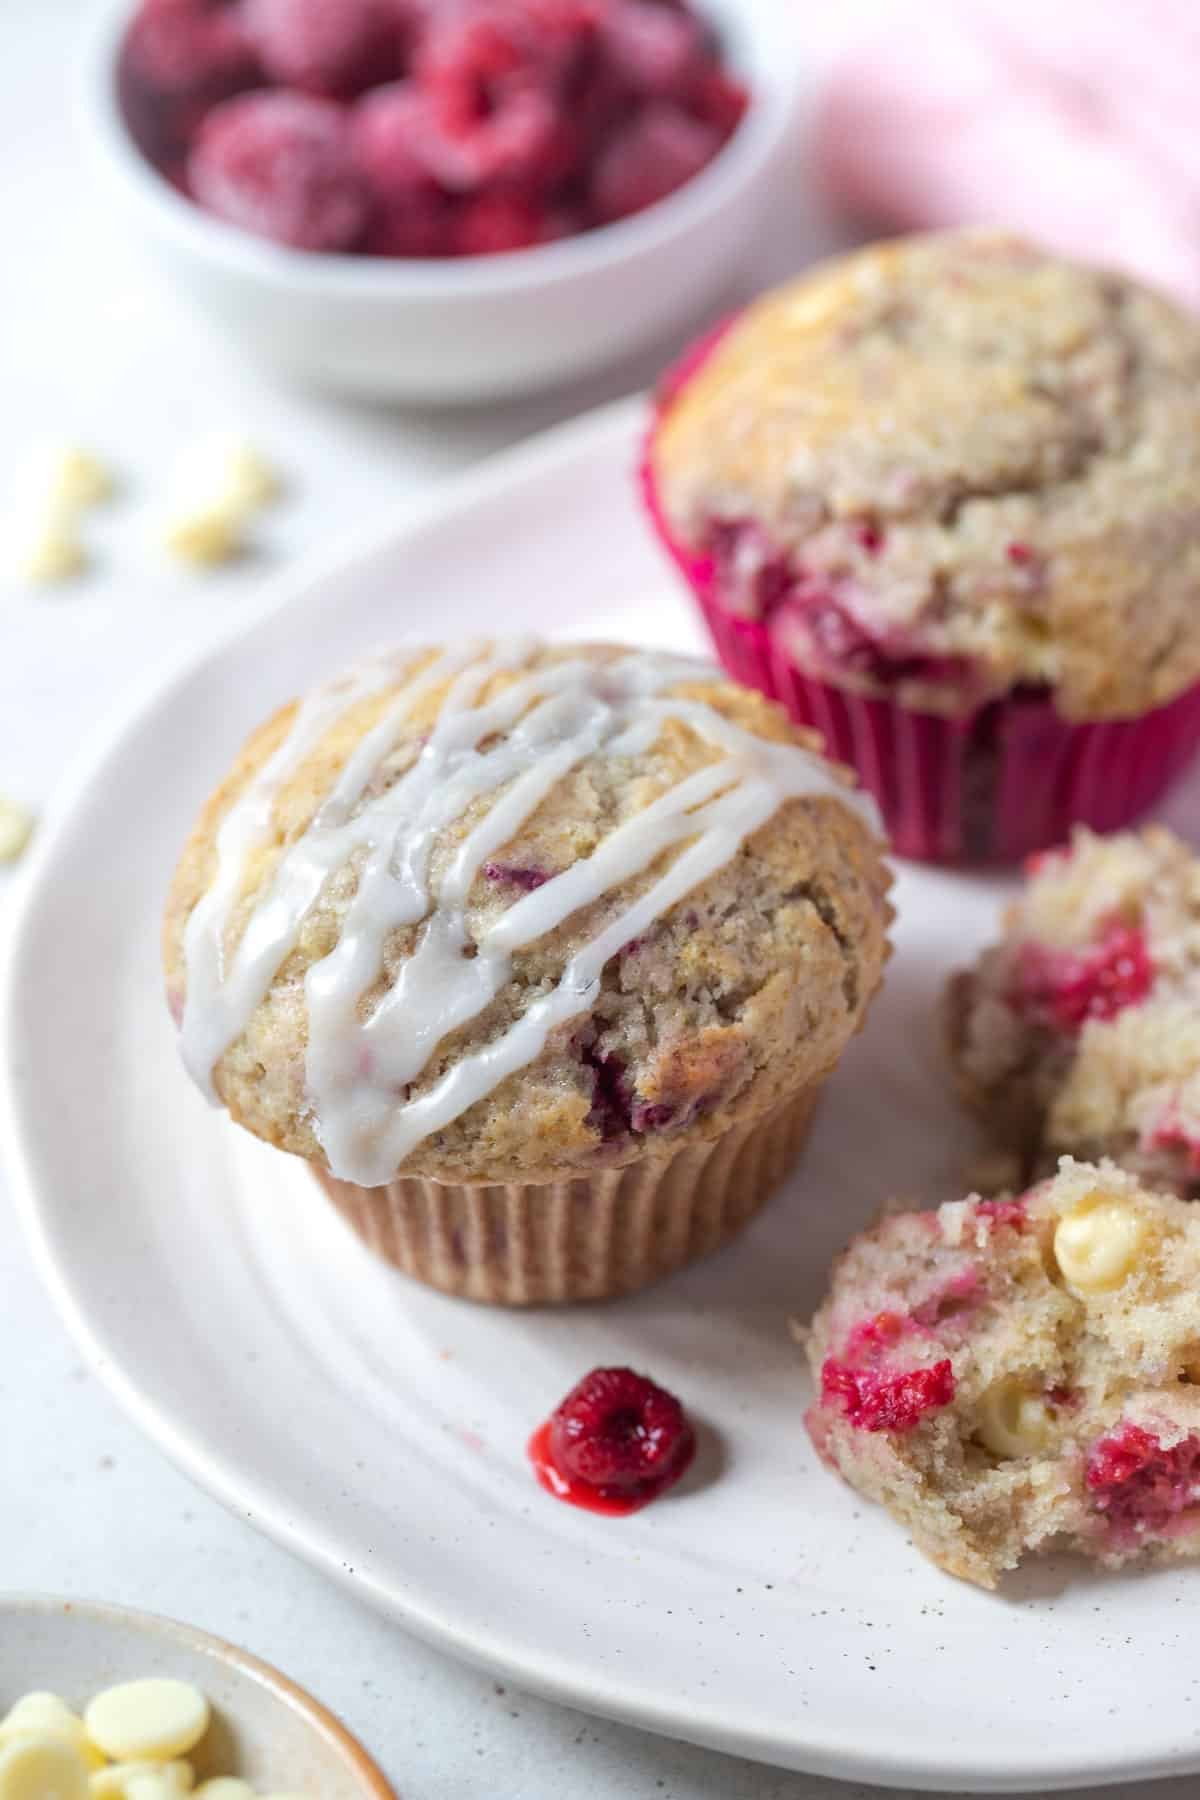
[[1076, 121]]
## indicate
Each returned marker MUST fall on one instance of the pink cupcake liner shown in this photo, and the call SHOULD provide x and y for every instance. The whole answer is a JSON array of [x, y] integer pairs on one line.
[[996, 785], [1007, 780]]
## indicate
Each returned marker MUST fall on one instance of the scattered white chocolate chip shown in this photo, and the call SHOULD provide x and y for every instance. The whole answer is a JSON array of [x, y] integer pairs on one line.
[[16, 829], [206, 533], [66, 478], [118, 1780], [155, 1719], [52, 550], [41, 1714], [1012, 1421], [41, 1767], [228, 471], [1097, 1243]]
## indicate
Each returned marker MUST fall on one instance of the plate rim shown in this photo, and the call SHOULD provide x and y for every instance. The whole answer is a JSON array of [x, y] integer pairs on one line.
[[888, 1758]]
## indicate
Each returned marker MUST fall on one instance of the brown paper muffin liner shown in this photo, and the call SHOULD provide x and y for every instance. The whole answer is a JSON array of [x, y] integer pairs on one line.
[[591, 1238]]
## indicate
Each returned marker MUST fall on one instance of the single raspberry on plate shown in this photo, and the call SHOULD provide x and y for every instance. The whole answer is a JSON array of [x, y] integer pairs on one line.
[[644, 161], [280, 165], [619, 1432], [335, 48]]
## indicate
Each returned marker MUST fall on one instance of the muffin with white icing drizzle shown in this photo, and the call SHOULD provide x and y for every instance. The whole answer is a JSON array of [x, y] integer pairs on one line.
[[538, 955]]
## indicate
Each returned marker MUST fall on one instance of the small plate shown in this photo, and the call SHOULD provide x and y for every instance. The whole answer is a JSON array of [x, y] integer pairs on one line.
[[265, 1728], [378, 1428]]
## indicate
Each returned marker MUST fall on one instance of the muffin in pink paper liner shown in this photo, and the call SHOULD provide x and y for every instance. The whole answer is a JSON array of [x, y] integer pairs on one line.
[[942, 499]]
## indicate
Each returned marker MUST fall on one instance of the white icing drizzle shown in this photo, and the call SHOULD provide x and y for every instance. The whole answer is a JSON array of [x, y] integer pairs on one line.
[[500, 758]]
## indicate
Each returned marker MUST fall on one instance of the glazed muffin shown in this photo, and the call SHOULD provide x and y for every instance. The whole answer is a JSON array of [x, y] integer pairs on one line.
[[1079, 1031], [942, 498], [1021, 1375], [538, 955]]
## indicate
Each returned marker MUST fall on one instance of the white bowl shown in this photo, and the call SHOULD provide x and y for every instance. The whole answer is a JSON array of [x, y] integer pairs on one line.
[[264, 1728], [424, 330]]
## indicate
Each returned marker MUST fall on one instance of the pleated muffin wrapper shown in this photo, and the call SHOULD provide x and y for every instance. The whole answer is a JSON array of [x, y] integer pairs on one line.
[[993, 786], [591, 1237]]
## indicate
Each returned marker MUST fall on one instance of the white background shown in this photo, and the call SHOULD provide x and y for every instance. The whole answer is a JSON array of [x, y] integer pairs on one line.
[[89, 349]]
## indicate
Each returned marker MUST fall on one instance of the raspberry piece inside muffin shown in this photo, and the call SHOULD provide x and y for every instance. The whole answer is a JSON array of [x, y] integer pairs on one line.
[[615, 1443], [1077, 1032], [1058, 1405], [874, 1395], [1095, 983], [1142, 1486]]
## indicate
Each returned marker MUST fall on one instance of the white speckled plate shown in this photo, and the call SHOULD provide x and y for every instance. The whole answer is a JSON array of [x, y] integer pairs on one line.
[[378, 1429]]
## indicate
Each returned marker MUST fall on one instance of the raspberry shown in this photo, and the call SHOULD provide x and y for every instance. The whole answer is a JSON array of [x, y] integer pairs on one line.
[[388, 133], [190, 49], [652, 50], [1068, 988], [878, 1402], [648, 159], [611, 1111], [493, 223], [416, 224], [1139, 1486], [279, 165], [527, 879], [719, 100], [999, 1213], [334, 48], [619, 1433], [177, 60], [471, 125], [874, 1397]]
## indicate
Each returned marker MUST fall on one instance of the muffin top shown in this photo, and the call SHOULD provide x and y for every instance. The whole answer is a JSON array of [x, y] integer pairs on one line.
[[509, 911], [951, 465]]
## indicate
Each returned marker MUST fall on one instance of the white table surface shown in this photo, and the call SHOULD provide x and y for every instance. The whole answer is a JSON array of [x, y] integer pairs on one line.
[[89, 349]]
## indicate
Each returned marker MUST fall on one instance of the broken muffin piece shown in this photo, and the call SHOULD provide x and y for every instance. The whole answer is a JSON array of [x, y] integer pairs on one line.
[[1079, 1032], [1007, 1376]]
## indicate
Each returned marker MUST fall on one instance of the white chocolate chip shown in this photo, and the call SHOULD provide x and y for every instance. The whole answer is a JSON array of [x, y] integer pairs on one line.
[[158, 1784], [41, 1767], [156, 1719], [226, 472], [52, 551], [117, 1781], [207, 533], [1012, 1421], [66, 478], [41, 1714], [234, 471], [1097, 1243], [16, 829]]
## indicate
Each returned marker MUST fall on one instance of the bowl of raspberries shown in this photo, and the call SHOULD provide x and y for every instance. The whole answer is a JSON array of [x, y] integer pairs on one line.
[[444, 199]]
